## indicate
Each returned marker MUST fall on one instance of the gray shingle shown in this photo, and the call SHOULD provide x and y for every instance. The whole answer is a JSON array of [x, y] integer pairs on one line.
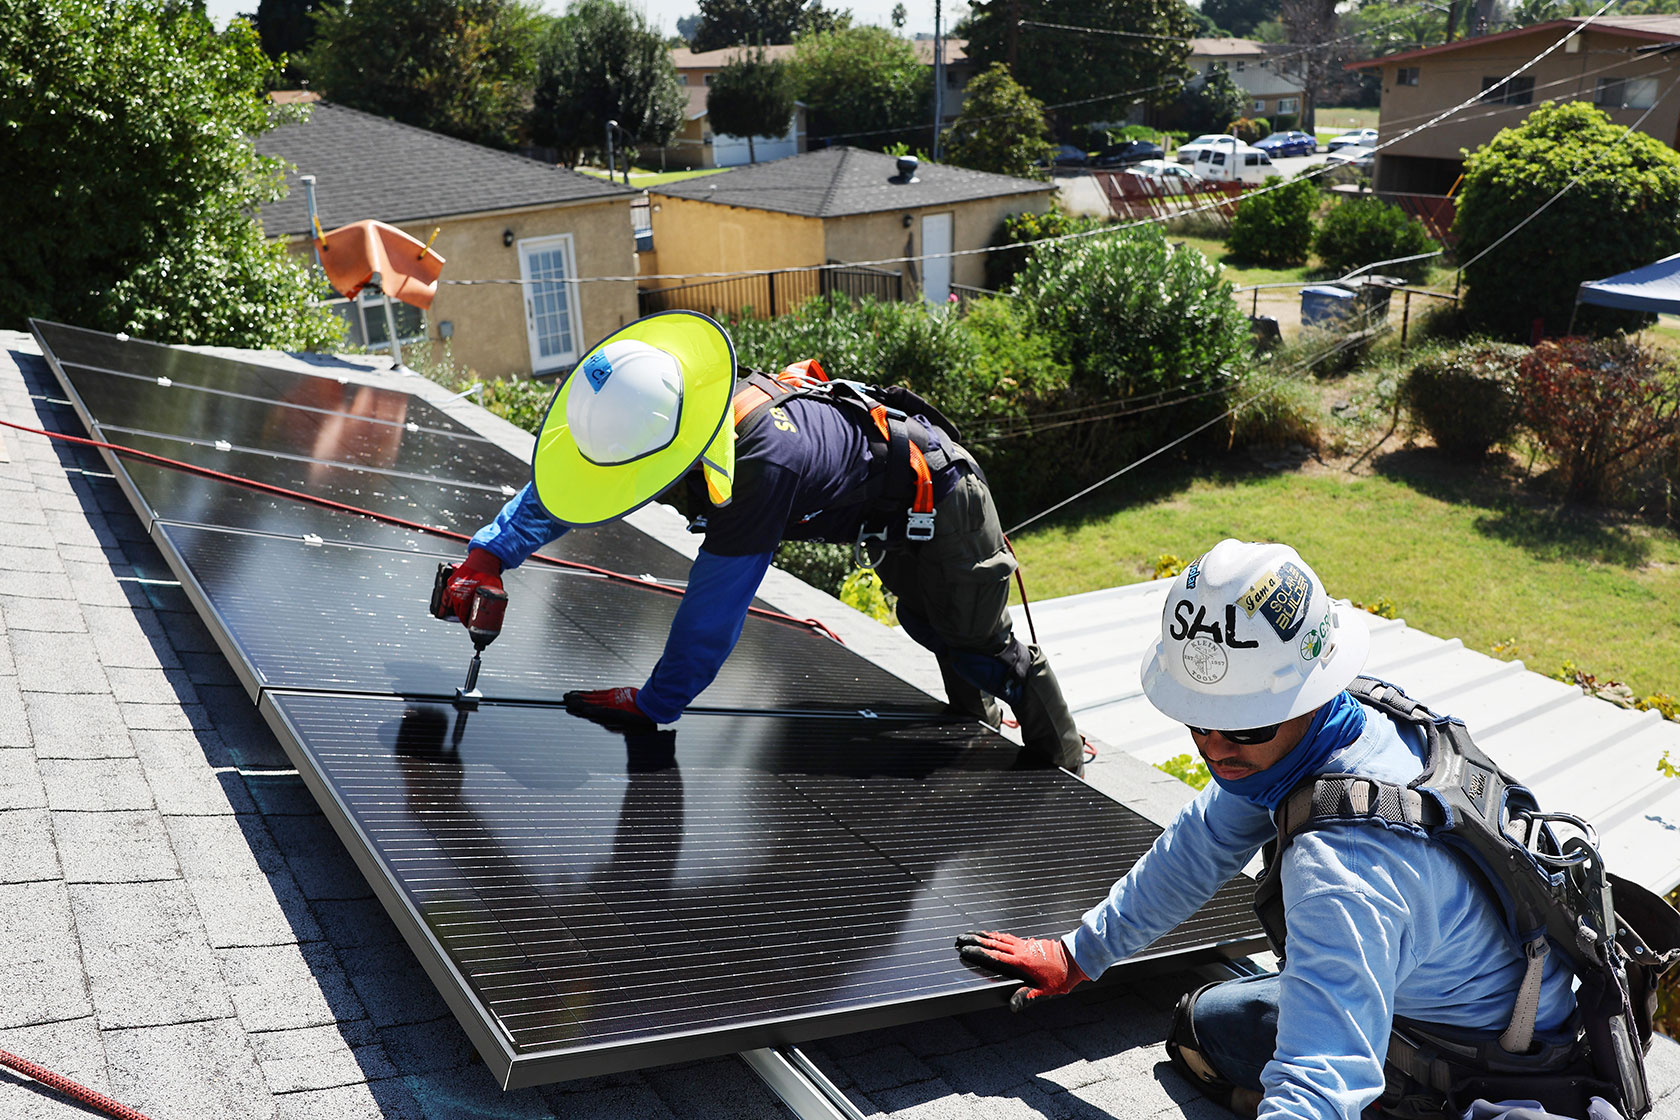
[[389, 1099], [151, 686], [42, 981], [130, 638], [55, 661], [147, 959], [94, 785], [55, 616], [834, 182], [252, 911], [114, 847], [312, 1058], [20, 780], [189, 1071], [76, 725], [71, 1048], [285, 987], [28, 851], [370, 167]]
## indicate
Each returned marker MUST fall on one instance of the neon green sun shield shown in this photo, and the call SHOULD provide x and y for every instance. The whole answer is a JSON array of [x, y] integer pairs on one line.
[[578, 491]]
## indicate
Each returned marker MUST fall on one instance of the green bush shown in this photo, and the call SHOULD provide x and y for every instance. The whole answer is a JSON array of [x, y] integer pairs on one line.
[[1275, 226], [1466, 399], [823, 566], [1364, 231], [1624, 212], [1280, 409], [1018, 231], [1285, 122], [1249, 130]]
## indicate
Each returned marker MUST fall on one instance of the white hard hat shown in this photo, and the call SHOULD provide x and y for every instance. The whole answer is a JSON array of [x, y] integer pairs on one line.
[[626, 403], [1249, 637]]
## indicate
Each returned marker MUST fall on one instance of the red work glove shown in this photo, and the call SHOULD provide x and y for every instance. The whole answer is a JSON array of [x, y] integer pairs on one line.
[[481, 568], [611, 707], [1046, 966]]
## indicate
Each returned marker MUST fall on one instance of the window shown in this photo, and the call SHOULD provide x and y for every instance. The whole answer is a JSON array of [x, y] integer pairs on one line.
[[1625, 93], [365, 317], [1251, 160], [1259, 106], [1240, 65], [709, 78], [682, 79], [1517, 91], [1406, 76], [1289, 104]]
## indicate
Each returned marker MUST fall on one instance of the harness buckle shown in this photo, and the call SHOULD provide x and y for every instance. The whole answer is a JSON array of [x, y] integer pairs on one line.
[[919, 526], [860, 547]]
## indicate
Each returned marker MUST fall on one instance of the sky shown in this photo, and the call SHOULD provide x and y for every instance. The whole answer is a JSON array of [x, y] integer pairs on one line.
[[663, 14]]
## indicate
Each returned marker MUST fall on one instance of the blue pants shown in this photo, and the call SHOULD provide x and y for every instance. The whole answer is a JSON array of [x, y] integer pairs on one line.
[[1236, 1024]]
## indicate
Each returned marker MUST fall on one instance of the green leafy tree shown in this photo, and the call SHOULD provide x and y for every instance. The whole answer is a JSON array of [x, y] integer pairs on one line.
[[131, 180], [899, 17], [1275, 226], [864, 86], [459, 67], [1210, 106], [287, 27], [735, 23], [601, 62], [1001, 128], [1081, 76], [1363, 231], [1624, 212], [1240, 17], [751, 96]]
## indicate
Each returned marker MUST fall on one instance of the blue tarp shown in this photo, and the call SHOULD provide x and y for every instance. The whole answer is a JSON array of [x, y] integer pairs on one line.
[[1653, 287]]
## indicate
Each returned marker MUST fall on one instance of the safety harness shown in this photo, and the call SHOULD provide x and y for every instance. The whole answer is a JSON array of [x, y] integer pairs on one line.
[[904, 458], [1545, 873]]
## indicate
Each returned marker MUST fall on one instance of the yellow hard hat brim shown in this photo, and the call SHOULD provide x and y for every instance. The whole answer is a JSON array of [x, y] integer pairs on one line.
[[579, 492]]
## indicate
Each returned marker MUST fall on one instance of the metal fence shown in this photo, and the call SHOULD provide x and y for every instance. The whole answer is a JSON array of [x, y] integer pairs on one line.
[[763, 295]]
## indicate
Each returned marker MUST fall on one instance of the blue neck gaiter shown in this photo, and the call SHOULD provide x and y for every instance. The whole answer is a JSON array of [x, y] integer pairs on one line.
[[1337, 724]]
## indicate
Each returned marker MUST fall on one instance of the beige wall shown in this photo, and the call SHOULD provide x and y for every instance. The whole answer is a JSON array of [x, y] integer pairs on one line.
[[489, 334], [692, 237], [882, 236], [1448, 79]]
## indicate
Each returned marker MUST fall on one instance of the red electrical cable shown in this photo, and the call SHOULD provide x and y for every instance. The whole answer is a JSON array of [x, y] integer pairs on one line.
[[300, 496], [69, 1088]]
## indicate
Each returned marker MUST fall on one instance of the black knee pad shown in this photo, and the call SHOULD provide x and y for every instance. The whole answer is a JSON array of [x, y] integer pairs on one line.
[[1184, 1051]]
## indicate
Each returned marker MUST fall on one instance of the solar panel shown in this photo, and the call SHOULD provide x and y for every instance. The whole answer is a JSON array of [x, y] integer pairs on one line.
[[792, 861]]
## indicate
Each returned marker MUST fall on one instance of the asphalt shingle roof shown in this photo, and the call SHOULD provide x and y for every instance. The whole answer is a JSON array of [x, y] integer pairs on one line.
[[369, 167], [835, 182]]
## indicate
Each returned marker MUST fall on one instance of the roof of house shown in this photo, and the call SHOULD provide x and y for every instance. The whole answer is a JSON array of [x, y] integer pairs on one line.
[[840, 181], [1226, 48], [956, 50], [1655, 29], [370, 167]]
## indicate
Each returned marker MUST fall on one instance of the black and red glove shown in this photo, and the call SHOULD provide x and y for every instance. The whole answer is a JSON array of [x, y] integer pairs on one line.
[[610, 707], [1046, 966], [481, 568]]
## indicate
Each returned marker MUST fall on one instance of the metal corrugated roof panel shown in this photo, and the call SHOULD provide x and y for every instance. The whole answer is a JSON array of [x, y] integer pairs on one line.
[[1577, 753]]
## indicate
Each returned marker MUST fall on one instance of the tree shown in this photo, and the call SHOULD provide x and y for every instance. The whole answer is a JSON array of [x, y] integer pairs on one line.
[[601, 62], [750, 97], [130, 178], [899, 17], [1001, 128], [1275, 226], [864, 85], [734, 23], [1239, 17], [1624, 212], [1210, 106], [688, 27], [1311, 24], [287, 27], [459, 67], [1083, 76]]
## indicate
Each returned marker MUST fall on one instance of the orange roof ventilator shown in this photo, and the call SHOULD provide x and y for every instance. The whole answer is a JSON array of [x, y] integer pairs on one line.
[[354, 255]]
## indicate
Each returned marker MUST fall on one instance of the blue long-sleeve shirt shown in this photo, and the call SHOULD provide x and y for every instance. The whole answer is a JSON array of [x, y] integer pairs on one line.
[[1381, 923]]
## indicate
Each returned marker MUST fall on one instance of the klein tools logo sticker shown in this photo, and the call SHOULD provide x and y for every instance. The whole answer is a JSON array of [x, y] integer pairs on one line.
[[597, 369], [1280, 597], [1205, 660]]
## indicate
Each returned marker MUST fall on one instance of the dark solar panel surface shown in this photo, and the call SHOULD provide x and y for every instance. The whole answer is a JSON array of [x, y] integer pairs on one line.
[[596, 887], [779, 867]]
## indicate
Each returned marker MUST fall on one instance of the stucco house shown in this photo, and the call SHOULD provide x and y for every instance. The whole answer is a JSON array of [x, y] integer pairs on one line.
[[837, 207], [1271, 89], [695, 144], [522, 232], [1625, 65]]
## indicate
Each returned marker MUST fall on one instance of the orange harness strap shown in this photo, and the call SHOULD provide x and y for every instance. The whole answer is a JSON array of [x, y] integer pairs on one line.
[[918, 464]]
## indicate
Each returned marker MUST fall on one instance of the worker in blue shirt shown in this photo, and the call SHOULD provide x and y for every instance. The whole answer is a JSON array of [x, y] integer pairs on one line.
[[1383, 924], [655, 410]]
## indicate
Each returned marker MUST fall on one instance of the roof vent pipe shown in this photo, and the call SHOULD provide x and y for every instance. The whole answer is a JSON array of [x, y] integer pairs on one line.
[[906, 169]]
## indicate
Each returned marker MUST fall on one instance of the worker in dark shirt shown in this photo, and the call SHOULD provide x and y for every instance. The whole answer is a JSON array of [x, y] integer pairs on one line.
[[766, 460]]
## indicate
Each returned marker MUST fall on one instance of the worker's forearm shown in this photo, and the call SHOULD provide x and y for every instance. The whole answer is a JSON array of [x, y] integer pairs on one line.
[[708, 622], [520, 529]]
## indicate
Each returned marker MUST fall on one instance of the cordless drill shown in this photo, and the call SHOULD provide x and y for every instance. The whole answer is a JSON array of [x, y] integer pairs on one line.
[[484, 623]]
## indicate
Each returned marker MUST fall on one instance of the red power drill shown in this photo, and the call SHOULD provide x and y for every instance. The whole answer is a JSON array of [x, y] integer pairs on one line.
[[484, 624]]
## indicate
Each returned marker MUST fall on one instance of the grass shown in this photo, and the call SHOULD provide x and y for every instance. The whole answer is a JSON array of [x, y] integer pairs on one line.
[[1463, 554], [1243, 274], [1335, 121], [642, 177]]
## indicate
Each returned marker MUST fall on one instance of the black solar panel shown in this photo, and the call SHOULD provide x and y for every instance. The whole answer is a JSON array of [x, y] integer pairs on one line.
[[792, 861]]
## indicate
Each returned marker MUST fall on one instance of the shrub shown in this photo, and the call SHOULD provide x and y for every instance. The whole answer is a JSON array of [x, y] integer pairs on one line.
[[1466, 399], [1364, 231], [1598, 407], [1274, 226], [1020, 230], [1624, 212], [1279, 410], [1248, 130], [1284, 122], [823, 566]]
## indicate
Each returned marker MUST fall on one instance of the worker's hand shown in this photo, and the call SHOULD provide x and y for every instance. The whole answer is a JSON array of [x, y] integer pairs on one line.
[[1046, 966], [481, 568], [610, 707]]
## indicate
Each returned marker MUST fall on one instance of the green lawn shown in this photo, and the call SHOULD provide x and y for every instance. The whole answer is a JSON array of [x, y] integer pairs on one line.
[[1243, 274], [641, 177], [1335, 121], [1462, 556]]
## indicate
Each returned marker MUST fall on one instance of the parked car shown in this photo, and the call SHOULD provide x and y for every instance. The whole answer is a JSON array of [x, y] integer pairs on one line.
[[1358, 138], [1289, 143], [1165, 176], [1187, 152], [1126, 153], [1347, 164], [1239, 163], [1067, 155]]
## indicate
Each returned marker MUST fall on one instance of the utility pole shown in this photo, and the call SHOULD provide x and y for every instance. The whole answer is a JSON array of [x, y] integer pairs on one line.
[[938, 80], [612, 164]]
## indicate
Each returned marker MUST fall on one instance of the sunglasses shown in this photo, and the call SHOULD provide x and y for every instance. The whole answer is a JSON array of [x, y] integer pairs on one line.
[[1249, 737]]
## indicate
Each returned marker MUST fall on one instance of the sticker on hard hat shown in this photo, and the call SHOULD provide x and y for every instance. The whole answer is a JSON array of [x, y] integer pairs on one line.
[[1280, 596], [599, 367], [1312, 642], [1192, 573], [1205, 660]]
